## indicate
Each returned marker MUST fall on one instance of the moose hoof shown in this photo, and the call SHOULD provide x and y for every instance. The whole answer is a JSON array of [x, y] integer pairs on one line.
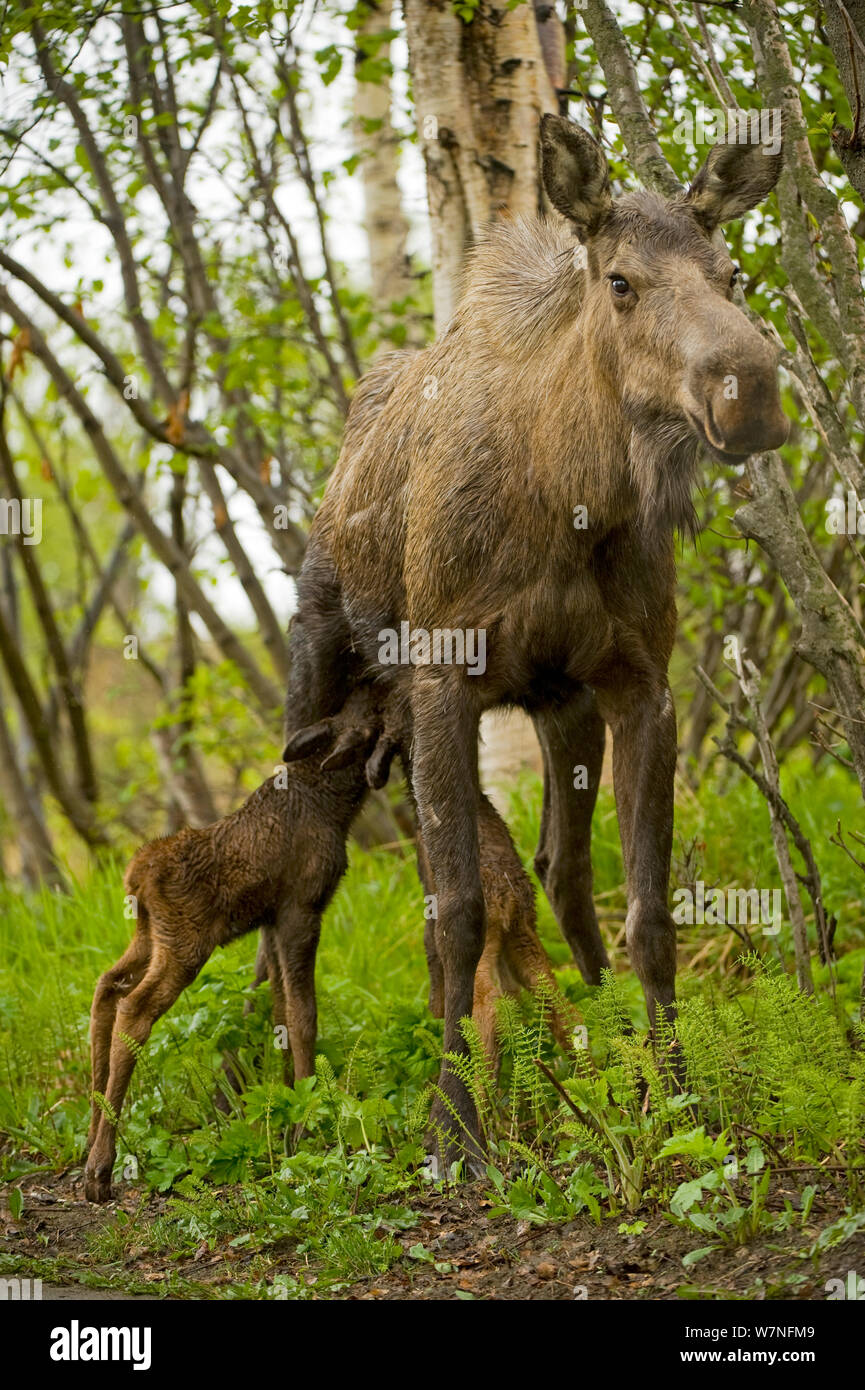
[[446, 1145], [473, 1167], [97, 1185], [313, 738]]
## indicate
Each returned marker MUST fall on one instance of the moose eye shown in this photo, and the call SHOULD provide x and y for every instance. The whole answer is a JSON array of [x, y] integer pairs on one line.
[[620, 285], [734, 278]]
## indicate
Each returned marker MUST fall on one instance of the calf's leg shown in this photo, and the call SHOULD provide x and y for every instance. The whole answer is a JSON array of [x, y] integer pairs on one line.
[[530, 967], [298, 928], [113, 986], [513, 955], [164, 980], [488, 991], [268, 961]]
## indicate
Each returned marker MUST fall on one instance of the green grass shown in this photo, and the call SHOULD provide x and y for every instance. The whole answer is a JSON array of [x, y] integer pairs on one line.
[[760, 1057]]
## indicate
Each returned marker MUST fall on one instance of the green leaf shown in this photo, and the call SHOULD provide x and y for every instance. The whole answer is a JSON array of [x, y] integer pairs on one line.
[[694, 1255], [756, 1159]]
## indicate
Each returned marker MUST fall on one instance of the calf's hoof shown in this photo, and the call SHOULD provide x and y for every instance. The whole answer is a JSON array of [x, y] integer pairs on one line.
[[97, 1184]]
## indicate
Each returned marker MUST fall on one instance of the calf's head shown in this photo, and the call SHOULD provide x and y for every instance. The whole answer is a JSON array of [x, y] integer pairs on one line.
[[658, 303]]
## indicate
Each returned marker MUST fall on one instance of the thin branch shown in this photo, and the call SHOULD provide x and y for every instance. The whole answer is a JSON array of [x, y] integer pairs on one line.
[[68, 685], [265, 692], [781, 817]]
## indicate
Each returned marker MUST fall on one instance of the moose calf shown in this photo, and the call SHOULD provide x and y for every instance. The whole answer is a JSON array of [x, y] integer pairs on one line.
[[274, 864]]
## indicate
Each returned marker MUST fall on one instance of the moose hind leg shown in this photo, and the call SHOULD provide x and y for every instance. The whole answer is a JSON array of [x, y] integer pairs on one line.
[[572, 736], [163, 981], [114, 985]]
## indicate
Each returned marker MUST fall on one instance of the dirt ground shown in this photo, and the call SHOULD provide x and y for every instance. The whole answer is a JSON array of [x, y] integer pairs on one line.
[[476, 1257]]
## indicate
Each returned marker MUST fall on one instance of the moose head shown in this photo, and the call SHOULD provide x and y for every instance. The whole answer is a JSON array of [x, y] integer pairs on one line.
[[659, 292]]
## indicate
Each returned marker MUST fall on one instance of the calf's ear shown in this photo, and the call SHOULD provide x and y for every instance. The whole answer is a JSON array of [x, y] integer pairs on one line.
[[575, 174], [735, 178]]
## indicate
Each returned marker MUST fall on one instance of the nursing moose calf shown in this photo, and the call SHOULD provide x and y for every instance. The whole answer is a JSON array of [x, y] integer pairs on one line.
[[563, 382], [273, 865]]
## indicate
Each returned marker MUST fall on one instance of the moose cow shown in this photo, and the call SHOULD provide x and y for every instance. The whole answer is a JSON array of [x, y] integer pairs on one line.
[[525, 476]]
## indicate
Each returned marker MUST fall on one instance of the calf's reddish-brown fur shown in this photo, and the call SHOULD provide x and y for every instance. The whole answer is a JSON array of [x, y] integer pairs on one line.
[[272, 864]]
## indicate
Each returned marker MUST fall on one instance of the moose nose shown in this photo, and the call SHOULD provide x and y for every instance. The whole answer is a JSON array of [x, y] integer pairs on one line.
[[740, 411], [748, 424]]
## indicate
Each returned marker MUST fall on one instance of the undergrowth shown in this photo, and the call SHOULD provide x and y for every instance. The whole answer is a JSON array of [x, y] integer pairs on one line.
[[772, 1082]]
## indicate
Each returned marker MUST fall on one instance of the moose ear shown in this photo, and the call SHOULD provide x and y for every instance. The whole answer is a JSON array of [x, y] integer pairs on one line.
[[734, 179], [575, 174]]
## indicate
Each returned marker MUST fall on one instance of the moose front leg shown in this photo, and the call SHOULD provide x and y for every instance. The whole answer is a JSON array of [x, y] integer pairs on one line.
[[446, 788], [572, 737], [430, 942], [642, 718]]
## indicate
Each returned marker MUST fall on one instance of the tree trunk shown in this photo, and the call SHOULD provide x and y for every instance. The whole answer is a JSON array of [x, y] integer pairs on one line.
[[844, 21], [386, 224], [480, 90]]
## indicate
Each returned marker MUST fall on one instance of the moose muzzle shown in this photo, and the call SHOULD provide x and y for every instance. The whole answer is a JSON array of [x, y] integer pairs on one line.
[[731, 393]]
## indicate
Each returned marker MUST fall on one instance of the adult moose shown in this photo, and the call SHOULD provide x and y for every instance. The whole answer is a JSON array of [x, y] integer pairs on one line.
[[564, 382]]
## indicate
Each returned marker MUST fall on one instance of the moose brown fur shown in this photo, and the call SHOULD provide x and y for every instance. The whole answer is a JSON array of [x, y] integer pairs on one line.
[[564, 382], [274, 864]]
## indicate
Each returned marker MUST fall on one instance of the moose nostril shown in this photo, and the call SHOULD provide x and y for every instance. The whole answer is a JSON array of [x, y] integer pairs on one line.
[[747, 421], [713, 434]]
